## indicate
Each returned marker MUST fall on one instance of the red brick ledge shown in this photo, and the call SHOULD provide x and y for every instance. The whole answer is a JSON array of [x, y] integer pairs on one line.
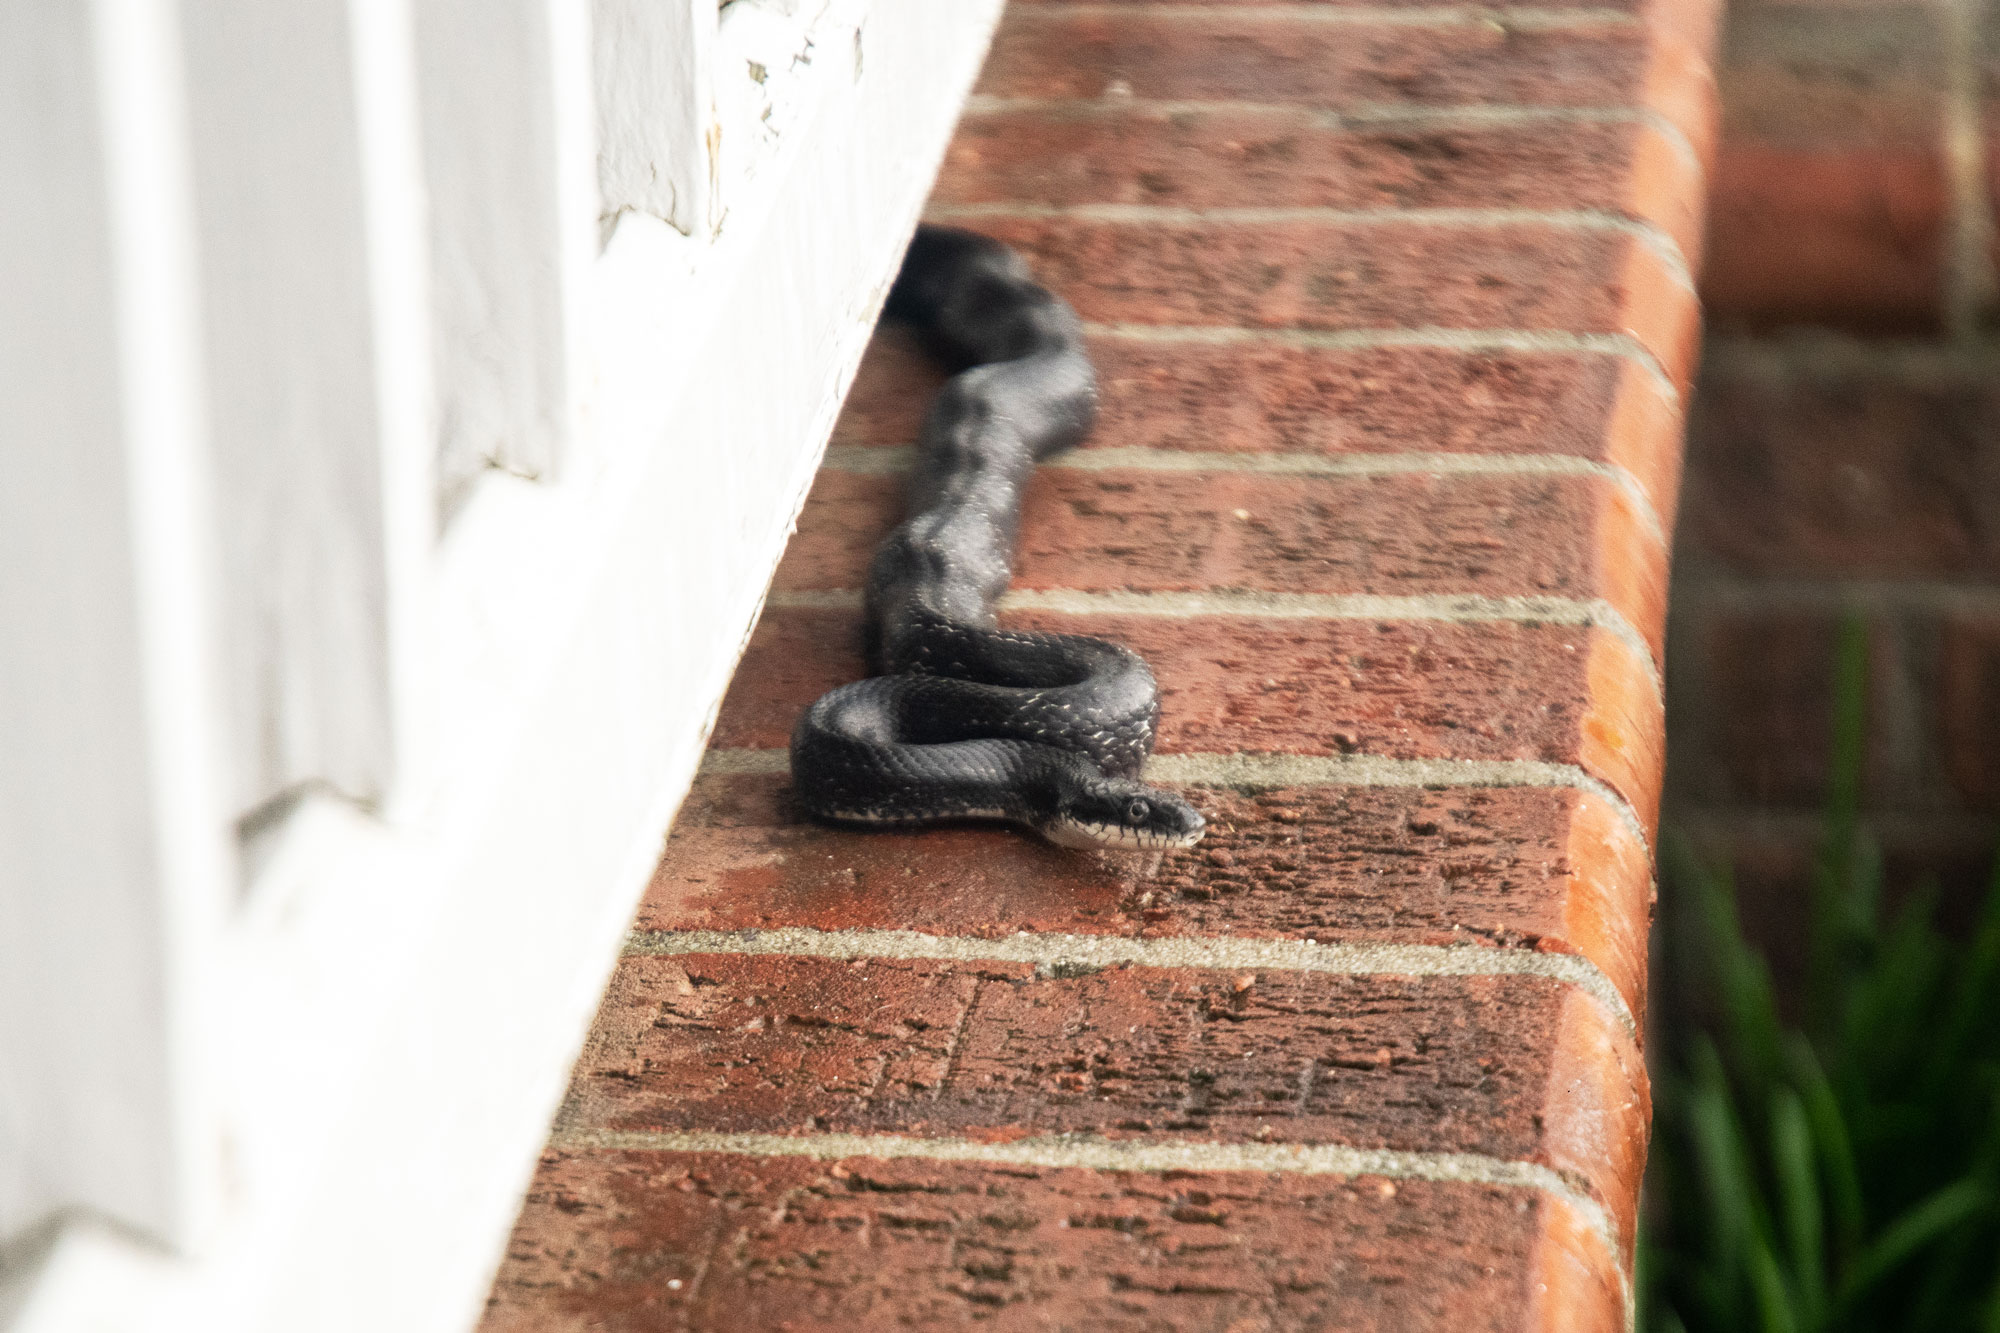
[[1392, 379]]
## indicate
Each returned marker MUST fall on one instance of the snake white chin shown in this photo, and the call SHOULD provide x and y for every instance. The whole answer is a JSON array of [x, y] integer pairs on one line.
[[1113, 837]]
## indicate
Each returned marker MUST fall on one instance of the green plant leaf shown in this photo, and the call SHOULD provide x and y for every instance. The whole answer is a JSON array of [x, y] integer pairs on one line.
[[1835, 1146], [1797, 1174], [1916, 1228], [1893, 1004], [1973, 998], [1725, 1184], [1781, 1152], [1753, 1031], [1774, 1305], [1990, 1320]]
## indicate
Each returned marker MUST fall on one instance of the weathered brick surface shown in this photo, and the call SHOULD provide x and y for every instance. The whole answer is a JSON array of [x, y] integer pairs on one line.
[[1296, 157], [1265, 397], [1313, 274], [1829, 474], [1517, 867], [1220, 56], [1515, 1067], [1754, 688], [1396, 689], [1968, 718], [1620, 5], [1348, 320], [1860, 474], [1830, 195], [1764, 725], [1495, 536], [639, 1242], [1843, 236], [1771, 855]]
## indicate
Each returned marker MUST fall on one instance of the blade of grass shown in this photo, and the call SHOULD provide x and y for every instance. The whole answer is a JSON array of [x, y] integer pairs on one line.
[[1973, 998], [1888, 1022], [1943, 1297], [1741, 979], [1774, 1303], [1916, 1228], [1724, 1174], [1798, 1194], [1836, 1148], [1939, 1295]]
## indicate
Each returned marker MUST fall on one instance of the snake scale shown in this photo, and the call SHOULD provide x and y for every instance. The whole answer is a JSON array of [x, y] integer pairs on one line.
[[969, 720]]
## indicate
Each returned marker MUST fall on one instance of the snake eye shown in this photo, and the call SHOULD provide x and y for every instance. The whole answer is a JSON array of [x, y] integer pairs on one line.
[[1136, 811]]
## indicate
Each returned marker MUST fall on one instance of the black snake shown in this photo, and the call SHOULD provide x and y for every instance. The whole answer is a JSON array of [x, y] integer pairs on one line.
[[971, 721]]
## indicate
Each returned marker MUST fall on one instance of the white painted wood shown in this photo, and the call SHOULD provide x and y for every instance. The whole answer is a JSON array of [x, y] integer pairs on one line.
[[395, 229], [505, 88], [405, 993], [288, 333], [658, 138], [113, 854]]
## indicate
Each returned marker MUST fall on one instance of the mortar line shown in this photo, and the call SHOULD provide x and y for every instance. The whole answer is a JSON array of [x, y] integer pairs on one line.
[[1470, 115], [1054, 953], [1968, 270], [1526, 341], [1253, 771], [1525, 17], [891, 459], [1091, 1153], [1663, 246], [1441, 608], [1808, 825], [1827, 354], [1696, 591]]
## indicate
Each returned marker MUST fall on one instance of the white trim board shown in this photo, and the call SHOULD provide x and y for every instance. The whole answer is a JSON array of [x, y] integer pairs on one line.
[[406, 994]]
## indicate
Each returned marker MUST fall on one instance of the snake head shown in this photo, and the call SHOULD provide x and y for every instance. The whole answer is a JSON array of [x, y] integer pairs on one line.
[[1118, 814]]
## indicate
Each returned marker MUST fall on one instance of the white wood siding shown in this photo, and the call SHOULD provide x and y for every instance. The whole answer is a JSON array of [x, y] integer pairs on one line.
[[288, 336], [113, 862], [658, 139], [443, 586], [504, 88]]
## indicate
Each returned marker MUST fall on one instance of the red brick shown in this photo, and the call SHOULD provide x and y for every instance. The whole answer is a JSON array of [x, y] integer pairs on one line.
[[1770, 854], [1291, 157], [1796, 473], [1574, 537], [1644, 437], [1523, 1068], [1517, 867], [1514, 1067], [1575, 1280], [1328, 275], [1620, 5], [1205, 55], [1407, 689], [1830, 195], [1758, 717], [1844, 237], [892, 390], [1969, 708], [639, 1242], [1817, 75], [1764, 716], [1256, 398], [1693, 29]]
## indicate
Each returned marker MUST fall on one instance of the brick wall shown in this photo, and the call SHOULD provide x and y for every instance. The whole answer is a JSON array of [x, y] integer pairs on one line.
[[1844, 444], [1394, 315]]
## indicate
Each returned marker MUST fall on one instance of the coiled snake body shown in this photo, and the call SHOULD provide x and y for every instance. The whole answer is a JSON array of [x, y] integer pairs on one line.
[[971, 721]]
